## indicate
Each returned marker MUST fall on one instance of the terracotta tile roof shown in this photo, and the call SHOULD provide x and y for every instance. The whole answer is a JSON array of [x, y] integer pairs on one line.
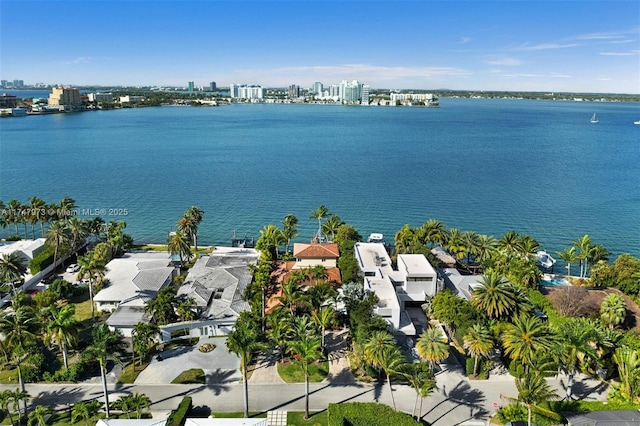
[[315, 251]]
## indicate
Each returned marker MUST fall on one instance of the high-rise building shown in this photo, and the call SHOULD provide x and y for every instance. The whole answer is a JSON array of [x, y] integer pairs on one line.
[[294, 91], [18, 84], [317, 88], [364, 95], [244, 91], [4, 84], [62, 96], [190, 86], [212, 86], [350, 91]]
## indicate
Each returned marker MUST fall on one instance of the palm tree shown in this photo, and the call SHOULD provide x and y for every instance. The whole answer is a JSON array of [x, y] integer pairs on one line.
[[12, 268], [307, 350], [18, 396], [143, 335], [107, 345], [193, 215], [433, 232], [162, 307], [421, 380], [628, 363], [123, 404], [404, 239], [243, 341], [13, 216], [569, 256], [279, 332], [374, 347], [57, 236], [478, 342], [6, 397], [584, 245], [455, 244], [185, 309], [320, 213], [613, 310], [575, 346], [85, 410], [38, 214], [495, 296], [36, 417], [178, 243], [527, 338], [19, 328], [390, 360], [470, 243], [290, 229], [138, 402], [78, 231], [324, 318], [271, 237], [432, 346], [91, 266], [62, 329], [532, 390], [330, 227]]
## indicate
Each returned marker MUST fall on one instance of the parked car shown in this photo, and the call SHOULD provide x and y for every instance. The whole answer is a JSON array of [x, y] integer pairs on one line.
[[74, 267], [49, 279]]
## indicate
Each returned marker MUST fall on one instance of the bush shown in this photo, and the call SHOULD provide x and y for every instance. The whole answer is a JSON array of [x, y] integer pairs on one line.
[[367, 414], [41, 261], [178, 417]]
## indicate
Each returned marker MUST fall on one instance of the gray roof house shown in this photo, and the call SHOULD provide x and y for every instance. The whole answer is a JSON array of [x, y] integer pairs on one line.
[[604, 418], [133, 281]]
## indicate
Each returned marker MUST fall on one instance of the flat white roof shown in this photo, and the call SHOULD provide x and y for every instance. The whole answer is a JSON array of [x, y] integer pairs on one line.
[[26, 247], [383, 288], [416, 265], [373, 256]]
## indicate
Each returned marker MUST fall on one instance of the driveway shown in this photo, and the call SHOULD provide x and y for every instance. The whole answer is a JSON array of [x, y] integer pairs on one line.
[[220, 366]]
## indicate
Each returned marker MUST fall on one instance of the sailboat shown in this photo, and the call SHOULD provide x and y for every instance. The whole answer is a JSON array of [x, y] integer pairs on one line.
[[594, 119]]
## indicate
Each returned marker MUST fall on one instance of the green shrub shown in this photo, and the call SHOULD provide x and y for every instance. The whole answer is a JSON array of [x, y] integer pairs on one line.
[[178, 417], [41, 261], [366, 414]]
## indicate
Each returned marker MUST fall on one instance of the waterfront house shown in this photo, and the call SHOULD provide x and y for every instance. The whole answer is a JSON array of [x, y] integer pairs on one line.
[[316, 254], [132, 281], [399, 290]]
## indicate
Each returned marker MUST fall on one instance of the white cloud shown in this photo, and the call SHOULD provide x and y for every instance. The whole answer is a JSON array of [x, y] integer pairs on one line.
[[464, 40], [545, 46], [78, 60], [537, 75], [631, 53], [505, 61]]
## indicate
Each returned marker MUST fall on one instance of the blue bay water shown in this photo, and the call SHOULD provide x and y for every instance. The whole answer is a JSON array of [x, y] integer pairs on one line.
[[537, 167]]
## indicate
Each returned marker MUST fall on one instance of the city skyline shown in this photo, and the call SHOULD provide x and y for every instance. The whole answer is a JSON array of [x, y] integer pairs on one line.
[[554, 46]]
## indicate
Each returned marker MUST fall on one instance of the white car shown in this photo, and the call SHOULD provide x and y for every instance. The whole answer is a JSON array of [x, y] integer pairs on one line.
[[74, 267]]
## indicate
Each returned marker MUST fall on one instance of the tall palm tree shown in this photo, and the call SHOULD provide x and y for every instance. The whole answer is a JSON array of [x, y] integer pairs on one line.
[[478, 342], [532, 390], [107, 345], [14, 217], [279, 331], [13, 267], [78, 231], [584, 245], [374, 347], [62, 329], [470, 242], [37, 207], [6, 397], [307, 350], [495, 296], [85, 410], [390, 361], [526, 339], [575, 347], [194, 215], [123, 403], [613, 310], [19, 396], [320, 213], [421, 380], [324, 318], [91, 266], [404, 239], [243, 341], [19, 328], [455, 244], [569, 256], [185, 309], [162, 307], [433, 232], [178, 243], [432, 346], [57, 236], [289, 229], [331, 225], [37, 416]]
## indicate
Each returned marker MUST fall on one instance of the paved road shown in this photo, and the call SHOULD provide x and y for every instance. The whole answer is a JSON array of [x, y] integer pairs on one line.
[[456, 401]]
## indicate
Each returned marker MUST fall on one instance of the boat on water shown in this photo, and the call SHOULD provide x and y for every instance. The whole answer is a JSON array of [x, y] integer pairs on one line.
[[544, 259], [636, 122], [376, 238], [594, 119]]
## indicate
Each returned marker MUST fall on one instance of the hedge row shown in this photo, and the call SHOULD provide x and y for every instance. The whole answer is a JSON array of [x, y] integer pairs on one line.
[[41, 261], [366, 414], [177, 418]]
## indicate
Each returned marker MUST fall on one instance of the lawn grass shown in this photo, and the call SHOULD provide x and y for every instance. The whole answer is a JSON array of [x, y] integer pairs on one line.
[[292, 372], [83, 306], [129, 375], [192, 376]]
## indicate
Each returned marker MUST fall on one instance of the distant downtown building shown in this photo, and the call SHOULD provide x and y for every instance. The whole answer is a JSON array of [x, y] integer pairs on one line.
[[294, 91], [244, 91], [212, 86], [317, 88], [65, 96], [190, 86], [420, 97], [350, 91]]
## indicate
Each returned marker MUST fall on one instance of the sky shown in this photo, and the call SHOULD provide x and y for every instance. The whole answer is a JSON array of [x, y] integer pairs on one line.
[[510, 45]]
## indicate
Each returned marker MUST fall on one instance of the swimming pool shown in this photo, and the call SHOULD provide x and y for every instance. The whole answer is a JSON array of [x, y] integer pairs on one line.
[[554, 282]]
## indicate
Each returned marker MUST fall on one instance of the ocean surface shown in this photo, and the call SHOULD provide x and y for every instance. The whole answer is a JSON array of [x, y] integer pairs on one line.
[[489, 166]]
